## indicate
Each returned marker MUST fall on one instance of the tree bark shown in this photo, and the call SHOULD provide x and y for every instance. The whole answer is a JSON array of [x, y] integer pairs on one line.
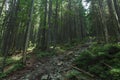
[[28, 31]]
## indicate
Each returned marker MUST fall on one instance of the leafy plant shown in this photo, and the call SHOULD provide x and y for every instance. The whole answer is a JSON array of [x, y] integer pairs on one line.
[[71, 75], [101, 60], [14, 67], [41, 54]]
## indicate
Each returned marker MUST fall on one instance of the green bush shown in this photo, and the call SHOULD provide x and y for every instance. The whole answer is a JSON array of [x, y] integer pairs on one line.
[[41, 54], [99, 59], [115, 73], [15, 67], [71, 75]]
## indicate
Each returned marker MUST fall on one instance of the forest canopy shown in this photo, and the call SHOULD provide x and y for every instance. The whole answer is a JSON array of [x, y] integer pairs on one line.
[[49, 25]]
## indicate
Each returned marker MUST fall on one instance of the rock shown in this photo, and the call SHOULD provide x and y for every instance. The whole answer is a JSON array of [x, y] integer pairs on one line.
[[37, 66], [60, 63], [14, 78], [45, 77], [69, 53]]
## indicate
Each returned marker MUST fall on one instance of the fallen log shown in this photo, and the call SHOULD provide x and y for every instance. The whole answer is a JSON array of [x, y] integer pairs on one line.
[[108, 65], [83, 71]]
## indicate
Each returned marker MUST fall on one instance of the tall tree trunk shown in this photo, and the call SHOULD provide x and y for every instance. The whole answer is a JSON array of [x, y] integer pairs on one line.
[[117, 8], [103, 19], [28, 31], [114, 17], [70, 21], [49, 21], [44, 31], [2, 7], [56, 24]]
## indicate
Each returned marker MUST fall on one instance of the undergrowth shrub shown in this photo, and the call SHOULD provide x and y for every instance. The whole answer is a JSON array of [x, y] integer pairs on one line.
[[14, 67], [101, 60], [41, 54]]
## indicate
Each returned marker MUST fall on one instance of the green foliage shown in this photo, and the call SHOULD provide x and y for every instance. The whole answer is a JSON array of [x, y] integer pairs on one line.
[[101, 60], [41, 54], [8, 61], [76, 75], [72, 74], [67, 46], [115, 72], [71, 44], [14, 67], [58, 50]]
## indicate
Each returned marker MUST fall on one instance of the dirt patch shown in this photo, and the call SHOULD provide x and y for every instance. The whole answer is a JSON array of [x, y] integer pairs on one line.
[[47, 68]]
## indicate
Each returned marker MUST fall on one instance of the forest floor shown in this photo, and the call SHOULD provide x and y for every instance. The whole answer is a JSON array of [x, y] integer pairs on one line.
[[55, 67]]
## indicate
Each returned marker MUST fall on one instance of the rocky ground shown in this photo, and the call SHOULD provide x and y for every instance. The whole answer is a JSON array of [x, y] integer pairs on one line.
[[50, 68]]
